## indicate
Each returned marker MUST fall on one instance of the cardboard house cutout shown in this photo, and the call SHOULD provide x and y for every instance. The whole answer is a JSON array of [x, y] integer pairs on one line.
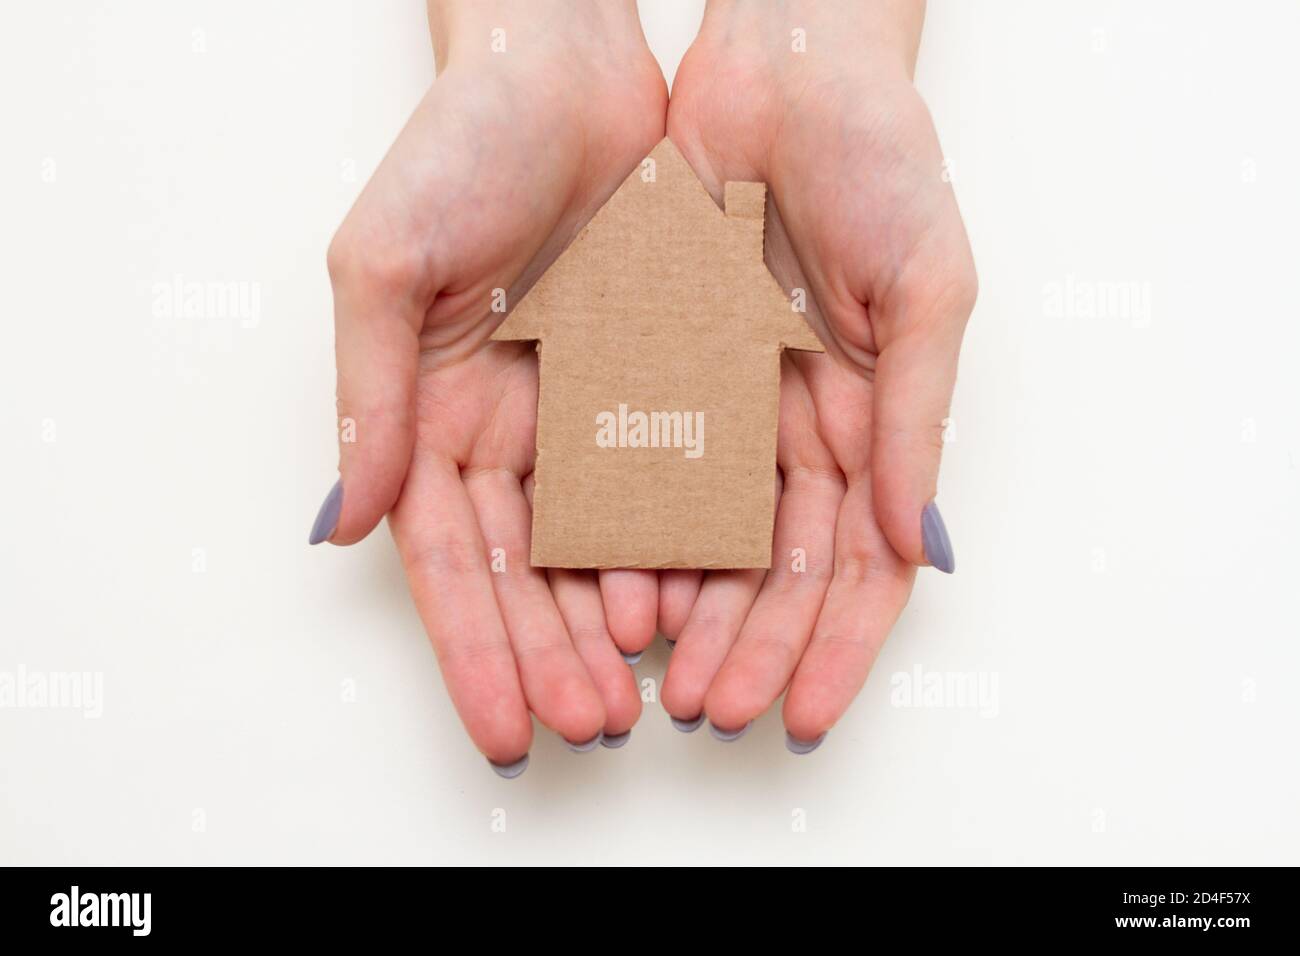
[[659, 335]]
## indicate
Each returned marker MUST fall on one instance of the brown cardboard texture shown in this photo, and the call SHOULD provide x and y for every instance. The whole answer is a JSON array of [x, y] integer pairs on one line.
[[659, 333]]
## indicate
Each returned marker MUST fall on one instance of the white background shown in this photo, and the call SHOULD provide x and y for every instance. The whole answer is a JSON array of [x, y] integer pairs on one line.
[[1122, 487]]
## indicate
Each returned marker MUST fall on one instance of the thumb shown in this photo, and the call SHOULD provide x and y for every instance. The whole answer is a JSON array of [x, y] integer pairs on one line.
[[376, 343], [915, 373]]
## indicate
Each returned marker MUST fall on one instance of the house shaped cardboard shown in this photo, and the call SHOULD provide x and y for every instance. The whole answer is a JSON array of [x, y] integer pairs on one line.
[[659, 333]]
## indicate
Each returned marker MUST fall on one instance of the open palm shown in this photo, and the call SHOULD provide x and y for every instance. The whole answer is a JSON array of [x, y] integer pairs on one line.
[[862, 218], [499, 167]]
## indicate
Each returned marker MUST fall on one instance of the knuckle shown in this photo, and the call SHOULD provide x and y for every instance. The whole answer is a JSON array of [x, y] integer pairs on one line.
[[471, 651], [780, 651], [343, 258], [863, 563], [447, 556], [543, 648], [357, 258], [930, 439], [588, 634], [965, 290], [709, 625], [786, 582], [337, 256], [943, 293]]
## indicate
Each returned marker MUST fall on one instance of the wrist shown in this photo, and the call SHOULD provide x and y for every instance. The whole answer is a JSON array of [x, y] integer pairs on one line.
[[881, 36], [581, 32]]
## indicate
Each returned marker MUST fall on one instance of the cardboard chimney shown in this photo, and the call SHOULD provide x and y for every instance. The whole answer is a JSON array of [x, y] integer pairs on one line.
[[659, 334]]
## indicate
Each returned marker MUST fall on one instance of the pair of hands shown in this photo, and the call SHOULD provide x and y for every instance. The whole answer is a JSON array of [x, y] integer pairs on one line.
[[539, 112]]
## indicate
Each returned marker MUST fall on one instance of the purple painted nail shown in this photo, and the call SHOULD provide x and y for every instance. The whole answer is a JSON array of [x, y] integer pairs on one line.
[[727, 736], [934, 538], [614, 741], [797, 746], [583, 747], [688, 726], [632, 658], [327, 519], [510, 770]]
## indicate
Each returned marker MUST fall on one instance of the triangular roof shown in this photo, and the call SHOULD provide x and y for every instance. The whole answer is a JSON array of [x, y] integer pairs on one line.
[[660, 257]]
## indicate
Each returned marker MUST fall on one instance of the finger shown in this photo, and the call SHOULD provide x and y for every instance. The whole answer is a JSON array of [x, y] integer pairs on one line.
[[631, 607], [555, 681], [577, 595], [915, 373], [376, 325], [867, 592], [759, 665], [677, 593], [446, 562], [715, 620]]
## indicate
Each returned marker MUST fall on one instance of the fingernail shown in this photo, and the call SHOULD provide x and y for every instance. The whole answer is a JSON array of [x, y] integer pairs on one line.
[[510, 770], [688, 726], [727, 736], [934, 538], [797, 746], [671, 643], [614, 741], [632, 658], [583, 747], [327, 518]]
